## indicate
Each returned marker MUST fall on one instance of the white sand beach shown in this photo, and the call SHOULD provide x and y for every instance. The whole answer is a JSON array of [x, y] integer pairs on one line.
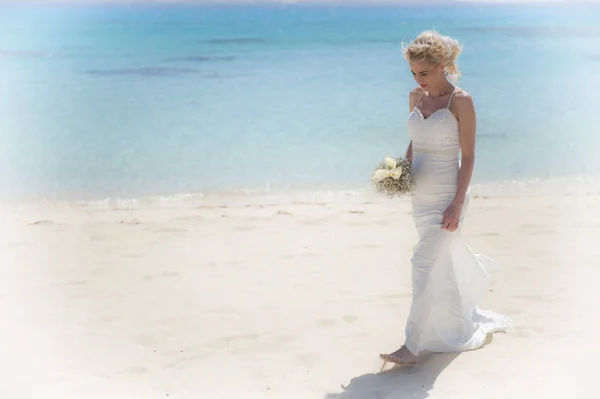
[[267, 299]]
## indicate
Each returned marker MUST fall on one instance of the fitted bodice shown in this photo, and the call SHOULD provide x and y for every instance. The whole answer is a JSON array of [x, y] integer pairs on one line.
[[436, 135], [435, 146]]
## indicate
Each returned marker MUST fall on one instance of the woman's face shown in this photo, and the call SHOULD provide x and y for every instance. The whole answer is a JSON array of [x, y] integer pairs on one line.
[[427, 75]]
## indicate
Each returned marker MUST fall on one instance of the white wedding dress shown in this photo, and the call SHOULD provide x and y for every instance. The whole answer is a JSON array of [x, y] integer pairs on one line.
[[448, 279]]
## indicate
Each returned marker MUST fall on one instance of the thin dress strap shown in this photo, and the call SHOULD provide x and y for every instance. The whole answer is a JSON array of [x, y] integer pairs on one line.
[[451, 95], [420, 97]]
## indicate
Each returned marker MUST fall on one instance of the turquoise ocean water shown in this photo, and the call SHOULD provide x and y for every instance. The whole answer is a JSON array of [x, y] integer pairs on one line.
[[134, 100]]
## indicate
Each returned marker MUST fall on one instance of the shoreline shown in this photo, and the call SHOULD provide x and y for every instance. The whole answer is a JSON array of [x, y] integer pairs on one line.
[[282, 196]]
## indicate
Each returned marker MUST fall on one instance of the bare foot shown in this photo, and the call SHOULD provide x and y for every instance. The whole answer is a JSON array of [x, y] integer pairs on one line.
[[401, 356]]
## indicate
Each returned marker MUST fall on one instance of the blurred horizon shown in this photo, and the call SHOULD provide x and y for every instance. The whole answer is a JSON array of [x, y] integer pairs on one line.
[[338, 2]]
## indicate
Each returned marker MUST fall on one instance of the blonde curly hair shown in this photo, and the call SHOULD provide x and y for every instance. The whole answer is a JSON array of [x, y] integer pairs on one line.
[[434, 48]]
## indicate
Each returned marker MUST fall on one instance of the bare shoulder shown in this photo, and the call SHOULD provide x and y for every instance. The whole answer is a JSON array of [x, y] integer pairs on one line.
[[416, 92], [463, 101], [414, 95], [464, 110]]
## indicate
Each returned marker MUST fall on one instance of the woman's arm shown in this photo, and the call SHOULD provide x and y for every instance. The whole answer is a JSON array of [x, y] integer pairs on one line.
[[412, 99], [465, 111], [467, 124]]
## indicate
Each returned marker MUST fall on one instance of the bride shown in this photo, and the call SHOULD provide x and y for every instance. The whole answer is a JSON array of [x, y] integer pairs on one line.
[[448, 280]]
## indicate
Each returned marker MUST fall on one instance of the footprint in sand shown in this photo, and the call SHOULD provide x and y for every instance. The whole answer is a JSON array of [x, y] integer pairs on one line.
[[96, 238], [489, 234], [281, 340], [187, 218], [326, 322], [541, 232], [131, 222], [367, 246], [349, 318], [172, 230], [359, 224], [530, 226], [77, 282], [242, 337], [42, 222], [149, 277], [146, 340]]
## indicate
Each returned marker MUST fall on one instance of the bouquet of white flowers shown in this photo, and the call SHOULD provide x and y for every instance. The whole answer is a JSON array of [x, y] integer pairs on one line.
[[394, 178]]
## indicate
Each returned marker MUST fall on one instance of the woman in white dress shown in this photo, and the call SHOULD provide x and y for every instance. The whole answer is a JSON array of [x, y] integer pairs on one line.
[[448, 280]]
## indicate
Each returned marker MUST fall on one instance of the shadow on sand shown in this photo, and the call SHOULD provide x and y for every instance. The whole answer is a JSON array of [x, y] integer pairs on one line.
[[399, 382]]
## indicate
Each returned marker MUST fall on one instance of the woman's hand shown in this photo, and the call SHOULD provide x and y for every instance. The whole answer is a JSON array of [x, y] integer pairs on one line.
[[409, 152], [451, 216]]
